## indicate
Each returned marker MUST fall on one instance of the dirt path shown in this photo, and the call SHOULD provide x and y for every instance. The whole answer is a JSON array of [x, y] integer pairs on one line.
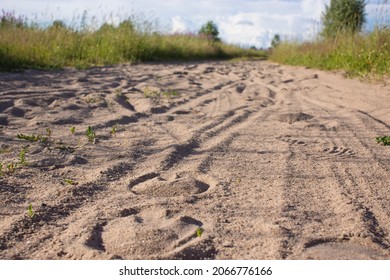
[[272, 162]]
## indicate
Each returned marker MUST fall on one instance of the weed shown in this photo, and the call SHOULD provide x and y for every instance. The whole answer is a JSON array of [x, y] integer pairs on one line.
[[70, 182], [73, 130], [91, 135], [170, 94], [22, 156], [152, 93], [91, 100], [11, 167], [199, 231], [48, 132], [113, 131], [30, 211], [32, 137], [385, 140], [7, 168]]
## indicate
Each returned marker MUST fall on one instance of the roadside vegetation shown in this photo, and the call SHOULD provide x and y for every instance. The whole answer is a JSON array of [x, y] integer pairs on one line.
[[25, 44], [342, 44]]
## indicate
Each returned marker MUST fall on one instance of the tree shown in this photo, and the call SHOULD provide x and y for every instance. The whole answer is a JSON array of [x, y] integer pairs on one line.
[[343, 16], [275, 41], [210, 29]]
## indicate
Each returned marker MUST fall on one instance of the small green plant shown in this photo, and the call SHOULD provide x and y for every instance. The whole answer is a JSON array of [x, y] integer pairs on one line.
[[7, 168], [73, 130], [199, 231], [113, 131], [22, 156], [152, 93], [30, 211], [70, 182], [91, 135], [91, 100], [11, 167], [170, 94], [385, 140], [48, 132], [32, 137]]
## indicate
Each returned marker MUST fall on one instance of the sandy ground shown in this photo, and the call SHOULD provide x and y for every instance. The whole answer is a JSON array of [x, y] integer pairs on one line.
[[272, 162]]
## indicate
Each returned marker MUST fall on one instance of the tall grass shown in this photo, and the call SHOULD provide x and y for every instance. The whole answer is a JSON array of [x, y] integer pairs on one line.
[[360, 54], [27, 45]]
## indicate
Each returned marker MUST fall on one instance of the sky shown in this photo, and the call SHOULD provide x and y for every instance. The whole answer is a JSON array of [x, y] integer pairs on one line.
[[241, 22]]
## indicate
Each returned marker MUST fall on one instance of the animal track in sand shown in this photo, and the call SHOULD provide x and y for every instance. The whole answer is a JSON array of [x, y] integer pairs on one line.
[[339, 151], [160, 187], [335, 249], [294, 117], [293, 142], [122, 236]]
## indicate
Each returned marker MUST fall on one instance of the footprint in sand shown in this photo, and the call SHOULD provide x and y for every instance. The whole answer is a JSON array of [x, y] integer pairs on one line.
[[160, 187], [339, 151], [148, 234], [294, 117]]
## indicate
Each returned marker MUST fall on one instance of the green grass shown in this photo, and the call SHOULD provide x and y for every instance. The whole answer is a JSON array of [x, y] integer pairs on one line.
[[365, 55], [32, 137], [70, 182], [90, 133], [27, 45], [22, 156], [385, 140], [199, 231], [30, 211]]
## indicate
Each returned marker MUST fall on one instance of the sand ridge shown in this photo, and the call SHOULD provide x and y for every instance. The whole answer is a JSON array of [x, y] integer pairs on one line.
[[272, 162]]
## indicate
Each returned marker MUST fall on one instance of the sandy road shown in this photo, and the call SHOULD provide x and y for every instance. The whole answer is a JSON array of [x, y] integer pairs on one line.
[[272, 162]]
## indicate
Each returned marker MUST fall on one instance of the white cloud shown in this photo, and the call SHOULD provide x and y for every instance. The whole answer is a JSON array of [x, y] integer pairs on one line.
[[178, 25]]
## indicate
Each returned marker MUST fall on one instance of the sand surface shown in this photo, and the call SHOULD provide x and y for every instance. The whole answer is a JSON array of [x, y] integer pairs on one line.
[[272, 162]]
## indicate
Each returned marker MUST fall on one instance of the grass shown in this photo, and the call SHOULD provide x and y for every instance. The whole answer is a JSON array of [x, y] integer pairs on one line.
[[113, 130], [9, 168], [364, 54], [70, 182], [384, 140], [28, 45], [359, 54], [22, 156], [171, 93], [30, 211], [91, 135], [199, 231], [32, 137]]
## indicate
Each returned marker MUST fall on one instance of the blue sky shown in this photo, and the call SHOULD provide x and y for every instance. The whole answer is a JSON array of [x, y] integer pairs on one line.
[[243, 22]]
